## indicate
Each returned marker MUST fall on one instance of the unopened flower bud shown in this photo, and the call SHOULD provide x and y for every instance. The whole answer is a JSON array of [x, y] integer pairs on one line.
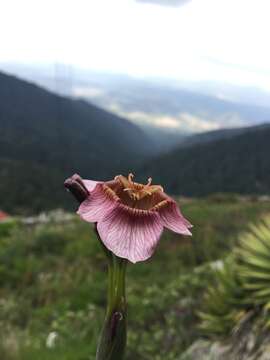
[[75, 185]]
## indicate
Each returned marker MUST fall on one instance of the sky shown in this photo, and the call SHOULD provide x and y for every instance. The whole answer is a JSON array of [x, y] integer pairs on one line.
[[220, 40]]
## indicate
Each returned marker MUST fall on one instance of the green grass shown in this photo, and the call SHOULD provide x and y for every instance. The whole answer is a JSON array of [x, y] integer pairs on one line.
[[53, 278]]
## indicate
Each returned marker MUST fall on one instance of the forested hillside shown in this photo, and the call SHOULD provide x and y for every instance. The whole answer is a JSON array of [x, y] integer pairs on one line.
[[240, 164], [46, 137]]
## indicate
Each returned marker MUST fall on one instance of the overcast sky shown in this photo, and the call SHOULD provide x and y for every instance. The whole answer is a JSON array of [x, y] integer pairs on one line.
[[224, 40]]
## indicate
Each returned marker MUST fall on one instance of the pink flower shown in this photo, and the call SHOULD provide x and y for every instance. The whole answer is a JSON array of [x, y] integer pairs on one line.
[[130, 216]]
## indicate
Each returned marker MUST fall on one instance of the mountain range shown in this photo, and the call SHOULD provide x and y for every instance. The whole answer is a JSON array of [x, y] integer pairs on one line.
[[220, 162], [168, 106], [46, 137]]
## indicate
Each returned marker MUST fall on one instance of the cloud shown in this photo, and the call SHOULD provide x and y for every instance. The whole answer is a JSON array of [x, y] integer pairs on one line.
[[88, 92], [184, 121], [165, 2], [194, 123], [158, 120], [145, 118]]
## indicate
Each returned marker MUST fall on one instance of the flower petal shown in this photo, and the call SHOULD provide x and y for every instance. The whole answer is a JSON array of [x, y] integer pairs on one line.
[[97, 205], [173, 219], [90, 184], [130, 234]]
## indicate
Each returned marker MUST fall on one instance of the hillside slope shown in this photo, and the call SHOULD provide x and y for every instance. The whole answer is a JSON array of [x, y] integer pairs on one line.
[[45, 136], [215, 135], [239, 164]]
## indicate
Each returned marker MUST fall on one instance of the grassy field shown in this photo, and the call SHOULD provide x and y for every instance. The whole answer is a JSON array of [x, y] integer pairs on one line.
[[53, 279]]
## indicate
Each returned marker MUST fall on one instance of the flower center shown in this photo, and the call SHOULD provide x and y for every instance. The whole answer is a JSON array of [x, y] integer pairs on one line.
[[135, 190]]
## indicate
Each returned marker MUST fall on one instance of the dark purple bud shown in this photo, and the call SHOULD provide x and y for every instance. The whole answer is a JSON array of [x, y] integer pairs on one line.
[[75, 185]]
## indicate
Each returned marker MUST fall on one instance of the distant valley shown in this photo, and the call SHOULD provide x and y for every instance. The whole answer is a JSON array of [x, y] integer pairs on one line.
[[164, 105]]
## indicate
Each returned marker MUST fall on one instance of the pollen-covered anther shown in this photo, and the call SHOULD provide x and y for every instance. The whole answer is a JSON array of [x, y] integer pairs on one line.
[[149, 182], [130, 177]]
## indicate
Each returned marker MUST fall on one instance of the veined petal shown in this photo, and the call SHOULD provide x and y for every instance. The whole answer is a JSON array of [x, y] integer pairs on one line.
[[97, 205], [130, 234], [173, 219], [90, 184]]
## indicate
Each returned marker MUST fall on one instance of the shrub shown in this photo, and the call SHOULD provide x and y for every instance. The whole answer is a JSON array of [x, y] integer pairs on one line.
[[242, 287]]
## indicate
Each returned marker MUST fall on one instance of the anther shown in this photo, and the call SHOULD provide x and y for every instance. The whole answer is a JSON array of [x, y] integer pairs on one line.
[[130, 177], [149, 182]]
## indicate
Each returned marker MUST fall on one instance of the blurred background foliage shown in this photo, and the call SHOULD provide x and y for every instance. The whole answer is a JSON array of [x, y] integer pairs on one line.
[[53, 281]]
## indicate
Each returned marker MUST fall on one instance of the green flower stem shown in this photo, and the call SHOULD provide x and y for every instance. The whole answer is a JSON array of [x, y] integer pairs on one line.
[[112, 341]]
